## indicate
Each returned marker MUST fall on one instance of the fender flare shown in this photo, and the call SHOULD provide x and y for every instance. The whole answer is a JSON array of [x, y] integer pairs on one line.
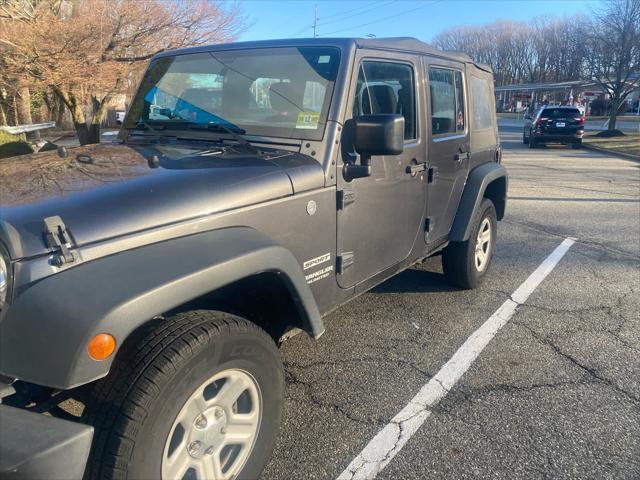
[[44, 334], [474, 191]]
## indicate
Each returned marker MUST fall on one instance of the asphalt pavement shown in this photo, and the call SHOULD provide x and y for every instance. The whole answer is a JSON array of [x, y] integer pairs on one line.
[[555, 393]]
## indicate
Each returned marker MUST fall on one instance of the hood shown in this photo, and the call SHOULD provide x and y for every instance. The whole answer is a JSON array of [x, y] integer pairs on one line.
[[105, 191]]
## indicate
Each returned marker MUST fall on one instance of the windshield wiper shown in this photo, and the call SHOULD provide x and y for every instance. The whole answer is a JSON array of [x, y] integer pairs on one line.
[[235, 133], [156, 131]]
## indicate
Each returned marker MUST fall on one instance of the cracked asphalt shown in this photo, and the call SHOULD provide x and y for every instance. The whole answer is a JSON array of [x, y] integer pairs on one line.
[[556, 394]]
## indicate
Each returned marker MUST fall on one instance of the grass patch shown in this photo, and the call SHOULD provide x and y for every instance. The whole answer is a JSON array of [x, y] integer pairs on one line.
[[629, 143], [12, 145]]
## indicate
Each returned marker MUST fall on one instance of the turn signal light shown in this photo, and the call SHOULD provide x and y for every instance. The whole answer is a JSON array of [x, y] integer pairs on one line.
[[101, 346]]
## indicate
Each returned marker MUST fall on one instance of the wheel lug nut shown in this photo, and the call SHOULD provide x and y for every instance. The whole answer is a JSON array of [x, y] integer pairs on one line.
[[194, 448], [209, 451], [218, 412], [223, 430], [201, 422]]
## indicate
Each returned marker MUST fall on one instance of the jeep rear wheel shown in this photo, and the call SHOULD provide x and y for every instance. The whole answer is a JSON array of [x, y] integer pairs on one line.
[[199, 397], [466, 263]]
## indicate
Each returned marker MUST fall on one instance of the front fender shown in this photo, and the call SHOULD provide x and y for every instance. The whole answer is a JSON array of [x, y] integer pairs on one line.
[[44, 334], [474, 191]]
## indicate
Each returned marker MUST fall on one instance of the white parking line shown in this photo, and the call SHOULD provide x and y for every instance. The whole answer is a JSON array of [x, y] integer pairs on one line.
[[390, 440]]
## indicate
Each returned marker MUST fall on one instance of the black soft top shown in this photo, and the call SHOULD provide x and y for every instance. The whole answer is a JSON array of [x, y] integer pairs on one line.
[[401, 44]]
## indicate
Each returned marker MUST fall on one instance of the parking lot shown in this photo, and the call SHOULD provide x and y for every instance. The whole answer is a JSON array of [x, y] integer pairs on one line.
[[556, 392]]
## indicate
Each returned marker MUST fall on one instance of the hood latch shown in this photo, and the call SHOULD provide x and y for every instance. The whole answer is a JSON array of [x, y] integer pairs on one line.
[[57, 238]]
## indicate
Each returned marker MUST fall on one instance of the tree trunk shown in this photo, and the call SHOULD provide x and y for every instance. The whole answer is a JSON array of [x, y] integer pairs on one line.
[[100, 111], [86, 133], [56, 109], [24, 109], [14, 110], [85, 136], [3, 113], [24, 106], [613, 115]]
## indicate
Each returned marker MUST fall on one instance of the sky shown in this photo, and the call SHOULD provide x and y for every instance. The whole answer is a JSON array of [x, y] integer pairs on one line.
[[422, 19]]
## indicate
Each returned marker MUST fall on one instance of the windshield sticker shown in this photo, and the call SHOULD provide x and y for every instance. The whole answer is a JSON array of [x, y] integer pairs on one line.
[[308, 120], [316, 261], [319, 275]]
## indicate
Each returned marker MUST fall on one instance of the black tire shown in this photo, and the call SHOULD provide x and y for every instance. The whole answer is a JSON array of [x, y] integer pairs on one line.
[[532, 142], [576, 145], [458, 259], [133, 409], [525, 139]]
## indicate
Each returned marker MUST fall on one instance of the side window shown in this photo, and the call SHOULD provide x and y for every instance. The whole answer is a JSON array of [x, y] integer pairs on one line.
[[443, 101], [480, 103], [387, 88], [447, 101]]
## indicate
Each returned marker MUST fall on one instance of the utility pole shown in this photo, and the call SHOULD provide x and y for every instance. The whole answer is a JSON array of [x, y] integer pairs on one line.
[[315, 21]]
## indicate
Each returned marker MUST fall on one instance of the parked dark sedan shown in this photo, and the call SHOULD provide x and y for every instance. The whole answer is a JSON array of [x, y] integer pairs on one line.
[[563, 125]]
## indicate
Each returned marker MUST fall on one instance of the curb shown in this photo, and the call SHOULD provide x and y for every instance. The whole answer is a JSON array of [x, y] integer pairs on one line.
[[626, 156]]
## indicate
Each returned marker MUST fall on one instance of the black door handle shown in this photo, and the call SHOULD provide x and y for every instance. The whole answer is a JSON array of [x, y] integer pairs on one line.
[[414, 168]]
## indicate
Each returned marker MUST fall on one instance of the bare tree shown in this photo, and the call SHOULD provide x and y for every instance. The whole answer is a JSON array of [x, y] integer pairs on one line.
[[613, 51], [536, 51], [85, 50]]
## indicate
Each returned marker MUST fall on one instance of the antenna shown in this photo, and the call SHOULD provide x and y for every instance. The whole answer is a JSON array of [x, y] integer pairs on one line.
[[315, 21]]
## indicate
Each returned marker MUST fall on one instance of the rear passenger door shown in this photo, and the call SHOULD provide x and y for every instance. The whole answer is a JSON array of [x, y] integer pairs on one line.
[[449, 149]]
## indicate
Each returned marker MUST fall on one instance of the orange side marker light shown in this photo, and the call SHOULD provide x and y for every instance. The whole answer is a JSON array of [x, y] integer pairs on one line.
[[101, 346]]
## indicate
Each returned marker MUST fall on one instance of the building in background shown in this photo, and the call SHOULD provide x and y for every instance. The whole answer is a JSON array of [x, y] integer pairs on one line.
[[585, 94]]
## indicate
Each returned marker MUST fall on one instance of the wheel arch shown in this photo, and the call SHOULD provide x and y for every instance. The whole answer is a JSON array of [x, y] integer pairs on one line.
[[134, 287], [489, 180]]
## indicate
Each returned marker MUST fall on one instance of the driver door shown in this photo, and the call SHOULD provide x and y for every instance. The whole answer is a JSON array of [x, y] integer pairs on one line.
[[380, 217]]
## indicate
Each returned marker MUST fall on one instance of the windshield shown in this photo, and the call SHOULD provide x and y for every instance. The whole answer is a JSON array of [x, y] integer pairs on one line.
[[280, 92]]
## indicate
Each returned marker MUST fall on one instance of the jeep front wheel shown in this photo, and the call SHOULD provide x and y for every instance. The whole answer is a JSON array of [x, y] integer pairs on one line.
[[465, 263], [199, 397]]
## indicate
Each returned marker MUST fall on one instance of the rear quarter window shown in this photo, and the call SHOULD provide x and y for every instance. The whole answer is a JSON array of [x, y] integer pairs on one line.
[[480, 103]]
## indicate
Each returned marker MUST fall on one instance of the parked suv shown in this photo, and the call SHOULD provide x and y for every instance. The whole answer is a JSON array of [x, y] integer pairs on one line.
[[152, 279], [559, 124]]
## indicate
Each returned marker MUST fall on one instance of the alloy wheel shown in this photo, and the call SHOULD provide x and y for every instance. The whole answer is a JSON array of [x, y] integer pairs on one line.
[[215, 431]]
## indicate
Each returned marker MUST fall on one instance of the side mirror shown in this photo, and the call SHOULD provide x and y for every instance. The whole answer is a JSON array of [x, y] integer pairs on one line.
[[381, 134]]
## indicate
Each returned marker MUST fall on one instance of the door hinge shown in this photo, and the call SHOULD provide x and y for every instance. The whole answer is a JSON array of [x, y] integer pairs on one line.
[[345, 197], [57, 238], [432, 174], [428, 226], [343, 261]]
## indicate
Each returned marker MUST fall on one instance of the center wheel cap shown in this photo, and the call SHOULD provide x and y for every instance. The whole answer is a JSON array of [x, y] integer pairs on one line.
[[208, 431]]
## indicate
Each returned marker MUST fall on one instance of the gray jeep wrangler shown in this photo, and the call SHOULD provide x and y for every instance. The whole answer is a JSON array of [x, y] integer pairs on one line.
[[255, 187]]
